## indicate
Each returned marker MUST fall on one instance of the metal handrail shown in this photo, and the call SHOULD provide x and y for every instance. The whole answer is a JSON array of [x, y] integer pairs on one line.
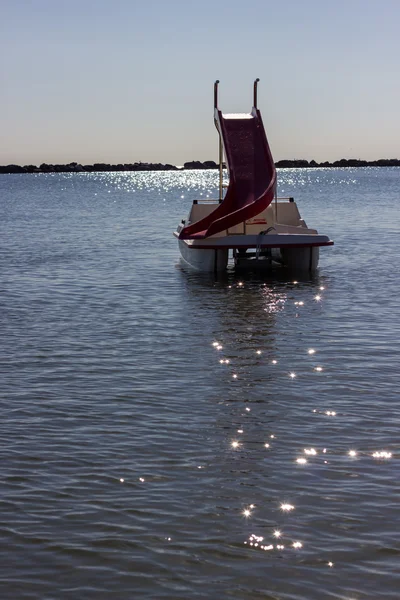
[[221, 174], [255, 93], [216, 93], [220, 149]]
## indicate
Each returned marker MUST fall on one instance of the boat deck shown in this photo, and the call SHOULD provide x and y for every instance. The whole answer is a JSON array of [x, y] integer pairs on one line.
[[270, 240]]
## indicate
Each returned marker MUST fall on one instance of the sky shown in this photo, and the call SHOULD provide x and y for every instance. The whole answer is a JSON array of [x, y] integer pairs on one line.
[[132, 80]]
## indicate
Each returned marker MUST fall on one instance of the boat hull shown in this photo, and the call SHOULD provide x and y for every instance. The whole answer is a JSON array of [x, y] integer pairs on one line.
[[204, 260], [258, 243], [300, 259]]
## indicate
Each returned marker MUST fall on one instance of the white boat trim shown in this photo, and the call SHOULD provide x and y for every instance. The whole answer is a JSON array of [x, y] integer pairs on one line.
[[279, 240]]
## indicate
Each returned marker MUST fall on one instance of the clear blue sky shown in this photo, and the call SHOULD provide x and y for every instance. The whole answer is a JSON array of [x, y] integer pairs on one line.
[[130, 80]]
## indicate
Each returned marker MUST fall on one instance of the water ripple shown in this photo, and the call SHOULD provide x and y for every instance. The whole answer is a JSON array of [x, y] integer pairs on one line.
[[150, 423]]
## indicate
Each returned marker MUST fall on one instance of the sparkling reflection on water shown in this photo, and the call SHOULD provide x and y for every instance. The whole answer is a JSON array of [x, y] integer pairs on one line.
[[170, 435]]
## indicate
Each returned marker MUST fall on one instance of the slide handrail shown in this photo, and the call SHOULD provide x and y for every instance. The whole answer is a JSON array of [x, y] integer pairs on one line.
[[216, 93], [220, 146], [255, 92]]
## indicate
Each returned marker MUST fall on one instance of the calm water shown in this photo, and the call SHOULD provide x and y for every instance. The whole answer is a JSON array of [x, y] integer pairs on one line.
[[133, 463]]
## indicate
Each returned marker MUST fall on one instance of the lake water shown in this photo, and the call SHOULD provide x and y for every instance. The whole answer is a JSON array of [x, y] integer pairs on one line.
[[133, 463]]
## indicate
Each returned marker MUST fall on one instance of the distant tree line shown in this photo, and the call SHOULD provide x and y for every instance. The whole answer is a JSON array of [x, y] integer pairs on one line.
[[195, 164], [343, 162]]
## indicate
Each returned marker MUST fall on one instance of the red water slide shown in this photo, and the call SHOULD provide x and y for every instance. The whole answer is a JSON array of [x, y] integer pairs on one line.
[[252, 174]]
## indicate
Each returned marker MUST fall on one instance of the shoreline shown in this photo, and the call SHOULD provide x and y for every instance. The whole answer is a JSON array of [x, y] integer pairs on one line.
[[74, 167]]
